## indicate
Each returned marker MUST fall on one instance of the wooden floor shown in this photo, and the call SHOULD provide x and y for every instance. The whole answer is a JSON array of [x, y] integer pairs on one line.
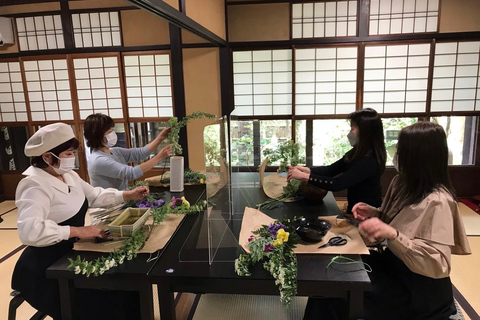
[[465, 275]]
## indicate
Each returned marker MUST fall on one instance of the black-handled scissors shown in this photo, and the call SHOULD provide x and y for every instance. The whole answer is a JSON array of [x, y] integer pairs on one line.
[[334, 241]]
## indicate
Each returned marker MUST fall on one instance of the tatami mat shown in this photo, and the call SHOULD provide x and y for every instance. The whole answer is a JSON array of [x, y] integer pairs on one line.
[[471, 220], [9, 241], [25, 311], [465, 276], [243, 307], [10, 220], [6, 206]]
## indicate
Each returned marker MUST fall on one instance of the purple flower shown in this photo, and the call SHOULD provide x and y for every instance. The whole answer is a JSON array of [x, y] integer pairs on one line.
[[250, 238], [158, 203], [274, 227], [268, 248], [144, 204]]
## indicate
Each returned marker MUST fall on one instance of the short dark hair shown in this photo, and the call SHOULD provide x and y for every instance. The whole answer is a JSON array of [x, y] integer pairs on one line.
[[95, 127], [422, 152], [38, 160], [370, 137]]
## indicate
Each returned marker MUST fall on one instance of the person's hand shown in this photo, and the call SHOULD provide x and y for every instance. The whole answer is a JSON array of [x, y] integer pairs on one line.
[[87, 232], [375, 228], [165, 152], [163, 135], [135, 194], [303, 169], [295, 173], [363, 211]]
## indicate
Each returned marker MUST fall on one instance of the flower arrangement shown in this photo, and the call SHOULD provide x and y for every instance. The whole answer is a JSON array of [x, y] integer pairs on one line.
[[189, 176], [175, 125], [274, 244], [131, 246], [288, 153]]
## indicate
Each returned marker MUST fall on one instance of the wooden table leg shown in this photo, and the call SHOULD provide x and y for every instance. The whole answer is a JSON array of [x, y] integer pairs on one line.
[[146, 302], [66, 298], [355, 305], [166, 302]]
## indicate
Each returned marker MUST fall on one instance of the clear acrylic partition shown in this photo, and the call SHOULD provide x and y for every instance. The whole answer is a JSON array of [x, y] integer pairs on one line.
[[215, 237]]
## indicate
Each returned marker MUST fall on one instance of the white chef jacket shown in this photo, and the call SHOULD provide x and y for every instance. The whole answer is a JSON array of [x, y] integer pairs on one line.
[[43, 201]]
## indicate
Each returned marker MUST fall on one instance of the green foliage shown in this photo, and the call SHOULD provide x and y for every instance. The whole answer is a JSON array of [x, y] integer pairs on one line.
[[288, 153], [132, 245], [175, 125], [269, 244], [189, 176]]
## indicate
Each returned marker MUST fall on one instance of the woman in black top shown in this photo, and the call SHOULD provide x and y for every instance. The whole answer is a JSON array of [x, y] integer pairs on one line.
[[360, 169]]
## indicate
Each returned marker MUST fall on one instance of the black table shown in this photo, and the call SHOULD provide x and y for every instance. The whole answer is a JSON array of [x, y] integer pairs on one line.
[[172, 273], [130, 276]]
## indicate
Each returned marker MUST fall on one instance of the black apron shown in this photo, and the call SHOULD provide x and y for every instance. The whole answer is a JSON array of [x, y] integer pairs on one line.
[[400, 294], [29, 277]]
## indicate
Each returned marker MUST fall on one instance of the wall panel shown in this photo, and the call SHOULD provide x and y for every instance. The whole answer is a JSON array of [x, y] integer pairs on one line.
[[151, 31], [202, 93], [260, 22], [208, 13], [459, 16]]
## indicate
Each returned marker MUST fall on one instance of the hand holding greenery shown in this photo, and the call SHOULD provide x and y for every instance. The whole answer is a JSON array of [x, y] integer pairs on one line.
[[288, 153], [131, 246], [175, 125], [273, 243]]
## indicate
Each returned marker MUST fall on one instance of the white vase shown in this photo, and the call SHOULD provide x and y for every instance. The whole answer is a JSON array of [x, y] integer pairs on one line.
[[176, 174]]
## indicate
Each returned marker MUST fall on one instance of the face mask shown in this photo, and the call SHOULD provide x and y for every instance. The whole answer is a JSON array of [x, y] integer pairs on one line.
[[352, 138], [111, 139], [395, 161], [66, 164]]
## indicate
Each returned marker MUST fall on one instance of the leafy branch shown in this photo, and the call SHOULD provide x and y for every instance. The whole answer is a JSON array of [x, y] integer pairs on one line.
[[175, 125]]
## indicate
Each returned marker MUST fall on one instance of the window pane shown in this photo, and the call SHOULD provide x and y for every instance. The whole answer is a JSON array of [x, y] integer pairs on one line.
[[242, 143], [391, 129], [330, 141], [272, 133], [403, 16], [301, 137], [460, 133], [324, 19], [142, 134]]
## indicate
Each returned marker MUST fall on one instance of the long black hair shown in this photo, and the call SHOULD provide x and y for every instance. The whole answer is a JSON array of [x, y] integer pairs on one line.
[[370, 137], [423, 161]]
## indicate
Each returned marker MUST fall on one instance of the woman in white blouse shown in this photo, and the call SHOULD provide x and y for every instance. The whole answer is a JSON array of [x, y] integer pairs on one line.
[[52, 202]]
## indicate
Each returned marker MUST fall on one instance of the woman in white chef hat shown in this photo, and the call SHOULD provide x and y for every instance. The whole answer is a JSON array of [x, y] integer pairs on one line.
[[52, 202]]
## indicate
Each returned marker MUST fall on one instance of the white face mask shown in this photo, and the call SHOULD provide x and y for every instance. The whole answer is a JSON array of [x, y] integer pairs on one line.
[[66, 164], [352, 138], [111, 139], [395, 161]]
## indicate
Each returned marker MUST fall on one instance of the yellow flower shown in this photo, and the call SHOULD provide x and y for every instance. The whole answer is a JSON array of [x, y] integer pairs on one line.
[[277, 242], [202, 181], [281, 234], [185, 202]]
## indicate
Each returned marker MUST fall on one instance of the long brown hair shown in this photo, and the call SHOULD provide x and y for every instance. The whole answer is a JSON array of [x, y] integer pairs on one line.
[[423, 161], [370, 137]]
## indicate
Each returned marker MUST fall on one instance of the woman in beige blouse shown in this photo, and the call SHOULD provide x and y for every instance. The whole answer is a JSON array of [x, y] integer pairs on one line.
[[420, 222]]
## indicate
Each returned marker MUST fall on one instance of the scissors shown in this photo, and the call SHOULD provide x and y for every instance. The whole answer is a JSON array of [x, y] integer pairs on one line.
[[334, 241]]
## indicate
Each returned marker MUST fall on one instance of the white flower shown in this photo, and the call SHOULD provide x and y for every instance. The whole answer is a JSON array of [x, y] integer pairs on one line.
[[84, 270], [77, 270]]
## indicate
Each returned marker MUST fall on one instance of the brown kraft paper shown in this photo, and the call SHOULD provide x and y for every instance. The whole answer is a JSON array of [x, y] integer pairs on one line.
[[253, 219]]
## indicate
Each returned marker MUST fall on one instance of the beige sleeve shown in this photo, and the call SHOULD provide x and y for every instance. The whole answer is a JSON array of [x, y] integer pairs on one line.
[[424, 257]]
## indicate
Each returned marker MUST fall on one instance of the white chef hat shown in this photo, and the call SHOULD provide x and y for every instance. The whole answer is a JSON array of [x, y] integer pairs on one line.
[[47, 138]]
